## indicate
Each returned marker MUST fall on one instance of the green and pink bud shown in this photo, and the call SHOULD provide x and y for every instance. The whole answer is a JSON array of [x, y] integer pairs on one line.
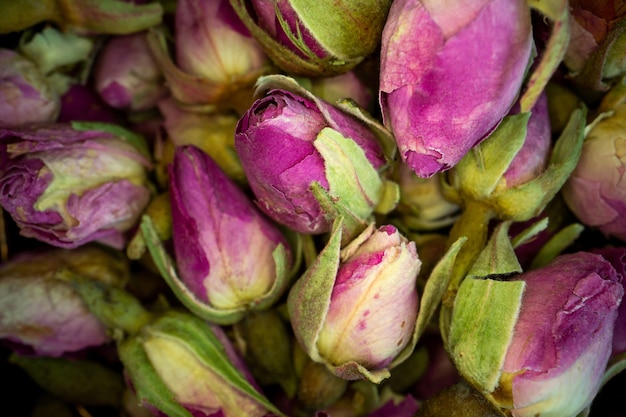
[[231, 259], [355, 310], [67, 185], [179, 365], [40, 313], [319, 39], [538, 343], [289, 144], [449, 73]]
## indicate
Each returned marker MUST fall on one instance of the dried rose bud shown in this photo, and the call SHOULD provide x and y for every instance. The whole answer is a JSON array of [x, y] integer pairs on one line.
[[596, 191], [67, 187], [126, 75], [545, 350], [43, 315], [25, 95], [323, 38], [449, 73], [287, 143], [358, 321], [231, 259]]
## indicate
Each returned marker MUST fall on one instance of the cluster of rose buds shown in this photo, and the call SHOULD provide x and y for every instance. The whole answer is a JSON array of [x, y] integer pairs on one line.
[[332, 208]]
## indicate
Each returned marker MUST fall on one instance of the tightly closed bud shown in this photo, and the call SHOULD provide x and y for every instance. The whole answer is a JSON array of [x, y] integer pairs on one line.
[[596, 191], [545, 350], [231, 259], [212, 42], [217, 60], [126, 74], [181, 366], [43, 315], [287, 143], [25, 95], [449, 73], [358, 322], [67, 187], [323, 38]]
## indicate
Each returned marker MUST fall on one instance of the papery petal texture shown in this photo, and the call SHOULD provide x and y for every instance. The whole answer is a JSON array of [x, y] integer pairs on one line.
[[224, 246], [448, 78]]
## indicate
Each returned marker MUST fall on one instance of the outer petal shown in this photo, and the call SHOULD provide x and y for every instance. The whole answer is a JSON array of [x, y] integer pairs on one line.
[[441, 96], [564, 333]]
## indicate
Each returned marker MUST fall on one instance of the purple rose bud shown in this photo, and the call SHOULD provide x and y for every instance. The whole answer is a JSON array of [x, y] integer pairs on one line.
[[229, 256], [277, 143], [562, 339], [25, 96], [126, 74], [596, 191], [449, 74], [212, 42], [43, 315], [370, 315], [67, 187]]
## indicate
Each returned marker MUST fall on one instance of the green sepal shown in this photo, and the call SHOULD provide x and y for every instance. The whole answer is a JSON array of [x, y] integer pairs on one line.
[[348, 29], [557, 244], [351, 177], [478, 174], [528, 200], [309, 297], [52, 49], [530, 232], [78, 381], [485, 312], [166, 267], [114, 307], [288, 60], [483, 319], [498, 257], [146, 382], [384, 135], [430, 299], [136, 140], [352, 225], [558, 12]]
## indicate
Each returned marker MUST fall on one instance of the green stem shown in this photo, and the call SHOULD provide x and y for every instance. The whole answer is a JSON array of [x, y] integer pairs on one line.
[[474, 225]]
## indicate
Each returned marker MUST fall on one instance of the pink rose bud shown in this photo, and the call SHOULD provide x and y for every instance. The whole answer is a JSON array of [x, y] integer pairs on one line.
[[596, 191], [364, 315], [229, 256], [278, 142], [126, 75], [25, 95], [449, 73], [212, 42]]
